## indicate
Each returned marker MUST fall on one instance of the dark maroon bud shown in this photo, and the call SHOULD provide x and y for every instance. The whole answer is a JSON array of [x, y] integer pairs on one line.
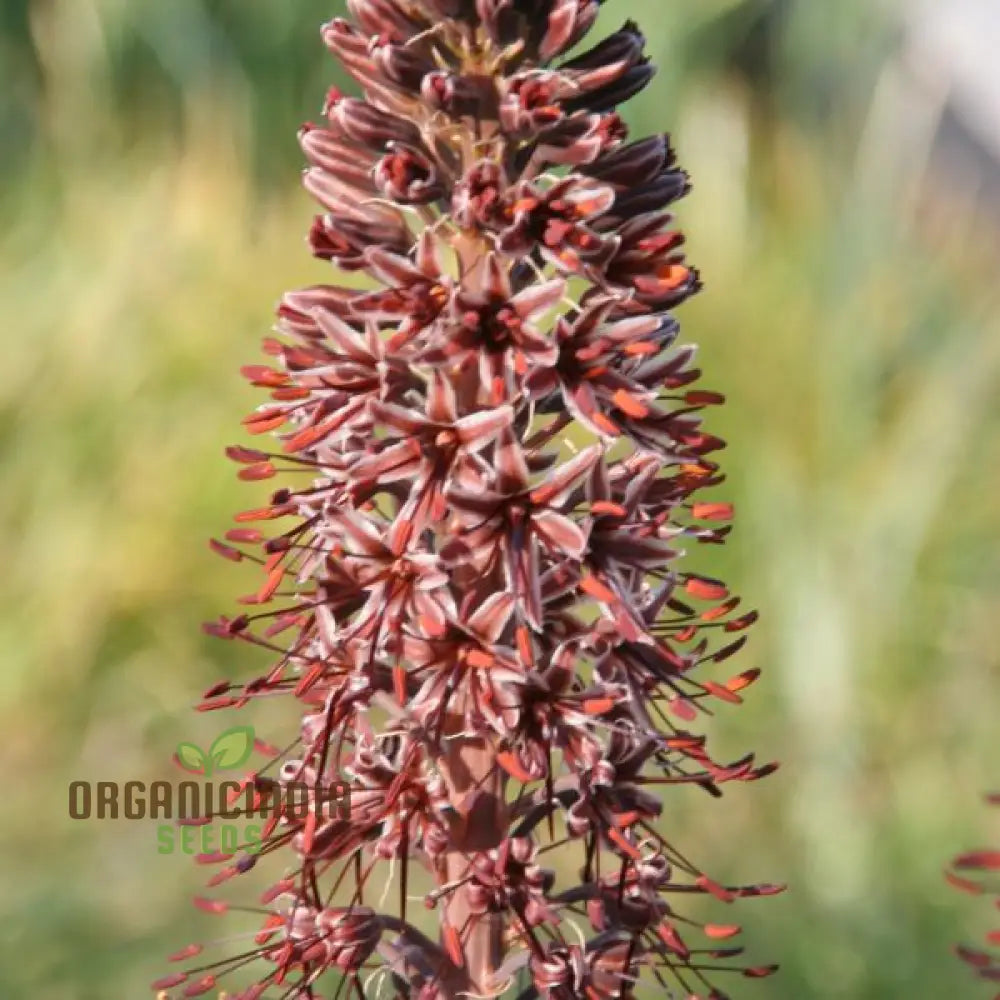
[[624, 46], [371, 127], [385, 231], [239, 624], [575, 141], [656, 195], [632, 165], [343, 161], [609, 97], [401, 65], [350, 46], [499, 19], [386, 17], [296, 307]]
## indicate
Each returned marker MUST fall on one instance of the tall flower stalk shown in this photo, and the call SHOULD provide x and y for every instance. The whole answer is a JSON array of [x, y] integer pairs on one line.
[[475, 580]]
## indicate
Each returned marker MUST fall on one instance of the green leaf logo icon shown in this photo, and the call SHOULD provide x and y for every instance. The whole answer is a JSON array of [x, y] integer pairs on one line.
[[232, 748], [192, 758]]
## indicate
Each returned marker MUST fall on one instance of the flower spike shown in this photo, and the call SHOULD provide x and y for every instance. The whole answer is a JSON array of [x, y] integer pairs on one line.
[[488, 468]]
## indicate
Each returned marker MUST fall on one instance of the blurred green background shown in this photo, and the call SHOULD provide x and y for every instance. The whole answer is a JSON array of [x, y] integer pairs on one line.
[[845, 217]]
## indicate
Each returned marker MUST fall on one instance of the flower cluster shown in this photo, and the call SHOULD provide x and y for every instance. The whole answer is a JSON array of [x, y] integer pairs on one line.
[[978, 872], [474, 574]]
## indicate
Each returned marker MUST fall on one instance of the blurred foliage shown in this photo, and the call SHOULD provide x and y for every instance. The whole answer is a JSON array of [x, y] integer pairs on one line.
[[150, 218]]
